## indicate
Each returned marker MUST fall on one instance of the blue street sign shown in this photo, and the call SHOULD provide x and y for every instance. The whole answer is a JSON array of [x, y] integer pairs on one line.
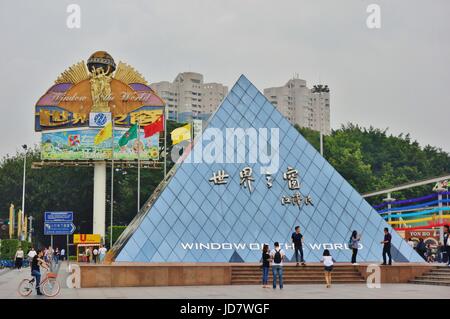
[[58, 216], [59, 228]]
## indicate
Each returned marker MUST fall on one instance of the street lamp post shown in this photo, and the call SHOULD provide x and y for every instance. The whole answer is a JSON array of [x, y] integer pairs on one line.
[[321, 142], [30, 231], [439, 189], [25, 147], [389, 200]]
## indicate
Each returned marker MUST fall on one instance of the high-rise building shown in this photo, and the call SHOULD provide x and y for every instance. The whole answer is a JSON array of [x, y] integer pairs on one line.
[[301, 105], [188, 97]]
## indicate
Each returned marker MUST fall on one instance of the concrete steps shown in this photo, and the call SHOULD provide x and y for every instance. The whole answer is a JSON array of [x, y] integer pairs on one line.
[[439, 276], [252, 275]]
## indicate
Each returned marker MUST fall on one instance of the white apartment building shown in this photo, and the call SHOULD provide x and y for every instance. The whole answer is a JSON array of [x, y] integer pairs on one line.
[[303, 106], [188, 97]]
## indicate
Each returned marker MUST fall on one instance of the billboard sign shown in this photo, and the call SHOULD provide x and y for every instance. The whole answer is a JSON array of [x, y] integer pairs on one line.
[[79, 145], [83, 94], [86, 238]]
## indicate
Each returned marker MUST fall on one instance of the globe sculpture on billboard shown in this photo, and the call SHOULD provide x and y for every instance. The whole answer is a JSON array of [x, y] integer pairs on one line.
[[84, 99]]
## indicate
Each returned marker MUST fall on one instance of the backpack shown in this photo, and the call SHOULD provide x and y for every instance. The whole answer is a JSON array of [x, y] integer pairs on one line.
[[277, 257]]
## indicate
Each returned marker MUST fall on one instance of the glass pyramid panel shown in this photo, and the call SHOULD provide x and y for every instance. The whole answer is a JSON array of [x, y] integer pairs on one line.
[[196, 220]]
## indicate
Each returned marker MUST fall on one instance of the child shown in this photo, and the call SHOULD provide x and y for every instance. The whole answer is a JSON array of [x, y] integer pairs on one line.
[[328, 261]]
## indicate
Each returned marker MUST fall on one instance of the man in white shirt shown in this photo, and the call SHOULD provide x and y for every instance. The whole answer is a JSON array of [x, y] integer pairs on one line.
[[32, 253], [63, 254], [277, 256]]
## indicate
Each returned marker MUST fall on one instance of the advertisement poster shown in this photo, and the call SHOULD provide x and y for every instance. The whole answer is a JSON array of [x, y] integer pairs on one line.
[[79, 145]]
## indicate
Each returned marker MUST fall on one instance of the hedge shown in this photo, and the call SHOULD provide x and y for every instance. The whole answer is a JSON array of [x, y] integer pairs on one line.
[[117, 231], [9, 247]]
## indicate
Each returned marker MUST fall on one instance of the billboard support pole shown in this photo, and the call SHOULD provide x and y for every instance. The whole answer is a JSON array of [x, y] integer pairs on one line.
[[30, 230], [67, 248], [23, 186], [139, 167], [165, 140], [441, 229], [99, 198], [112, 190]]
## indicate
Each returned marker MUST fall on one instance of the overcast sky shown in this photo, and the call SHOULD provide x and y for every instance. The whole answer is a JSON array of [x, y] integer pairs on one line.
[[396, 77]]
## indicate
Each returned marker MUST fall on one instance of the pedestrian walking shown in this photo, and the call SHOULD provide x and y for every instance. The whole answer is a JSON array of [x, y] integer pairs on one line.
[[328, 262], [31, 254], [387, 246], [102, 253], [421, 249], [18, 257], [88, 255], [429, 254], [446, 243], [297, 240], [354, 245], [50, 253], [56, 255], [63, 254], [45, 254], [265, 265], [277, 255], [50, 256], [95, 255]]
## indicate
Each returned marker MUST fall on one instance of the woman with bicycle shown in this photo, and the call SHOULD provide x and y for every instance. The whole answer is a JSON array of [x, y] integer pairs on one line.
[[49, 285], [36, 263]]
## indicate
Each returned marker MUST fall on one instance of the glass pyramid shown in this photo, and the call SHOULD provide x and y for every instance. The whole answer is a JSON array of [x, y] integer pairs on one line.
[[194, 220]]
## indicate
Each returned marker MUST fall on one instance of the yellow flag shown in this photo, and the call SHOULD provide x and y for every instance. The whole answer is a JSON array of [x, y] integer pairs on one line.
[[25, 227], [104, 134], [19, 224], [11, 221], [181, 134]]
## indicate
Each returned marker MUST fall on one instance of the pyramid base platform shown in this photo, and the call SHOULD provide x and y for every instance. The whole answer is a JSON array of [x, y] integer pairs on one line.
[[202, 274]]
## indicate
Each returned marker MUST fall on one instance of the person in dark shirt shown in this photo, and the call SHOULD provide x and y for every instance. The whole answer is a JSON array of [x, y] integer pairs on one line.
[[387, 246], [421, 248], [354, 245], [265, 265], [36, 262], [297, 240], [446, 243]]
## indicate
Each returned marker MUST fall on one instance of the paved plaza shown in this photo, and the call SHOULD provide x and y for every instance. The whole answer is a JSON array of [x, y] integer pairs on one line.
[[10, 279]]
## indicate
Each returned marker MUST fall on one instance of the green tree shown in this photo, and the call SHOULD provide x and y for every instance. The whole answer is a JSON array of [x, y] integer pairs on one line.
[[371, 159]]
